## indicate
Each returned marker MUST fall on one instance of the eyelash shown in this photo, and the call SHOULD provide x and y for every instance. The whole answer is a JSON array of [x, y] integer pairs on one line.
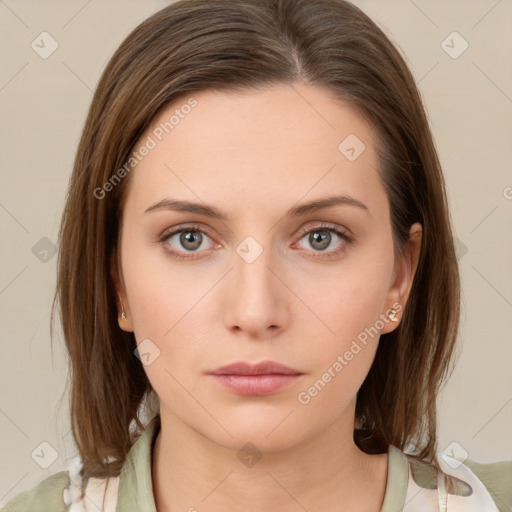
[[347, 239]]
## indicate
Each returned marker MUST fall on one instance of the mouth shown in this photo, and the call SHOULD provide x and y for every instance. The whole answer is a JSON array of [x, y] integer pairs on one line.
[[259, 379]]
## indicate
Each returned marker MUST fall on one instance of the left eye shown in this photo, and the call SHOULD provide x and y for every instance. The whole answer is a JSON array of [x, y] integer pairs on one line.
[[320, 238]]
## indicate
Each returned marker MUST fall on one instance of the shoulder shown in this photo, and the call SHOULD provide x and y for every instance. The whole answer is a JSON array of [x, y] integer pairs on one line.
[[497, 478], [47, 495]]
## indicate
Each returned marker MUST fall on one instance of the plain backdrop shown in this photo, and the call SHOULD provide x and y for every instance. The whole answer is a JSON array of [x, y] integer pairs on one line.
[[468, 96]]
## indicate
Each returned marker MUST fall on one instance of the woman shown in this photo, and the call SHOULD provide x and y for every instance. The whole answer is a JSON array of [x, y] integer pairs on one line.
[[257, 278]]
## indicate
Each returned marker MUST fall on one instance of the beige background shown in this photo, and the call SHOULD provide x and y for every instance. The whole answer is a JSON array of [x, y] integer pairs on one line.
[[43, 106]]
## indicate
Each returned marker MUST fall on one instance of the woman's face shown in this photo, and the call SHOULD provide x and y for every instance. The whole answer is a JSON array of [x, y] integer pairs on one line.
[[259, 283]]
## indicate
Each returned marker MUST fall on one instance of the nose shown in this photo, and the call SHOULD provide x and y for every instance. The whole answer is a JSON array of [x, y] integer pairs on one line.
[[257, 300]]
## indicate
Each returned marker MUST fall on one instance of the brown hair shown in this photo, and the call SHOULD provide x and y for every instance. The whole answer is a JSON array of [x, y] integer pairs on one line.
[[239, 45]]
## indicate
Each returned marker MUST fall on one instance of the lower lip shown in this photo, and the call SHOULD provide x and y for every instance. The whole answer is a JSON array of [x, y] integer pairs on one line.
[[256, 384]]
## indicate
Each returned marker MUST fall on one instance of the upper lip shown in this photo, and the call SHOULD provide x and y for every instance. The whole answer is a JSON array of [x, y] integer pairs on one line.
[[263, 368]]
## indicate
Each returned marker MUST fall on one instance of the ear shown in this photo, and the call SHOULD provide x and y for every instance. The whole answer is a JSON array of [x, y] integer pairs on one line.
[[403, 277], [122, 304]]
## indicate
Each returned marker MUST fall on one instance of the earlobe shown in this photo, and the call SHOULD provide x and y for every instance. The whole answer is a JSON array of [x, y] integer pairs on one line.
[[392, 317], [123, 317], [123, 314]]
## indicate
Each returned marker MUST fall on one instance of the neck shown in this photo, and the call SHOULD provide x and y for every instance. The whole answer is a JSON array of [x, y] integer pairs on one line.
[[325, 472]]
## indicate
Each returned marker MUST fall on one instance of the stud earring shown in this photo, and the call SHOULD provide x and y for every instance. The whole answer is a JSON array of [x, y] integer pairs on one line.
[[392, 315]]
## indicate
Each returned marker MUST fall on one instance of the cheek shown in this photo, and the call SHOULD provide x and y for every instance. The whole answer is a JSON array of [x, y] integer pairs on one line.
[[341, 355], [160, 293], [349, 300], [168, 307], [167, 321]]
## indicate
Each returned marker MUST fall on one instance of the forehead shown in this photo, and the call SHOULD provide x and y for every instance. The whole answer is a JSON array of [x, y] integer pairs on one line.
[[277, 144]]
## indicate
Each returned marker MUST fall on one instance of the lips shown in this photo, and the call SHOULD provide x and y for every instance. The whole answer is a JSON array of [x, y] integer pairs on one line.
[[263, 368], [265, 378]]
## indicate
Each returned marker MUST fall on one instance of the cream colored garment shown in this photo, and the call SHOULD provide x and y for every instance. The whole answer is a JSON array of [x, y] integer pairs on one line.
[[422, 499]]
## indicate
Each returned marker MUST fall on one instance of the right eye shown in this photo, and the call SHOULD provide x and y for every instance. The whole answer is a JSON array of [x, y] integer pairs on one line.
[[190, 238]]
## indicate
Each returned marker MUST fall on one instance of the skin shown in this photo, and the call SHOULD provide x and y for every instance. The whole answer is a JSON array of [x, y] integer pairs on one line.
[[254, 156]]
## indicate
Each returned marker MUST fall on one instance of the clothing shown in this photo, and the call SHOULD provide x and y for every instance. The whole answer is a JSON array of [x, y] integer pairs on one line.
[[461, 487]]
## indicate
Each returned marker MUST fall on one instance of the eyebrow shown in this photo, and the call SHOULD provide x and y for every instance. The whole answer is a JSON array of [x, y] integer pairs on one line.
[[296, 211]]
